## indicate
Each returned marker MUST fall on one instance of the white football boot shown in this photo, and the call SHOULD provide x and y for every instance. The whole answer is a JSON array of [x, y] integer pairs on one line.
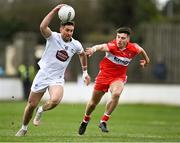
[[21, 132]]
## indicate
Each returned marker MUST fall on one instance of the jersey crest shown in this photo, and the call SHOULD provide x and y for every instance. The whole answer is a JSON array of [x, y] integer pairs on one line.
[[62, 55]]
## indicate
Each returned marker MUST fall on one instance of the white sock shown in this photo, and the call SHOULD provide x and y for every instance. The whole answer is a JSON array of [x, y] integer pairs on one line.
[[24, 127], [40, 109]]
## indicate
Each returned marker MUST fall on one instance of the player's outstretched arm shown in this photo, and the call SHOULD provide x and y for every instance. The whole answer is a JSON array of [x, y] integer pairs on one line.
[[101, 47]]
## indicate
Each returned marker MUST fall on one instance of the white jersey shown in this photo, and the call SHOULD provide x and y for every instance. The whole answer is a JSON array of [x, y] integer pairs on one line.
[[58, 54], [54, 61]]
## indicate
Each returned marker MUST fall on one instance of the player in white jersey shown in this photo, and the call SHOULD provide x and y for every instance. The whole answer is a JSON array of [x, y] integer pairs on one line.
[[60, 47]]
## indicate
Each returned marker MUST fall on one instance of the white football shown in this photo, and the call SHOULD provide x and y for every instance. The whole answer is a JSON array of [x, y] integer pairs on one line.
[[66, 13]]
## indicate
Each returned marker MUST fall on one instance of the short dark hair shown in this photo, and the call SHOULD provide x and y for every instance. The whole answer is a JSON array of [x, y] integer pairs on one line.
[[64, 23], [126, 30]]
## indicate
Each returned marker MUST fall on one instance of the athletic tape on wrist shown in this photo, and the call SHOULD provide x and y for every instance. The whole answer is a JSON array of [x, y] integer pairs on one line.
[[94, 49]]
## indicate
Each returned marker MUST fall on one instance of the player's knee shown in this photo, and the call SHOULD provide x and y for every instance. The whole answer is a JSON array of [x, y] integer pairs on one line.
[[92, 104], [116, 95], [32, 105], [55, 102]]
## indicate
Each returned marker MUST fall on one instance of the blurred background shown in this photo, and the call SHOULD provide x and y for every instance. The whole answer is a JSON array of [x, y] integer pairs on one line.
[[155, 25]]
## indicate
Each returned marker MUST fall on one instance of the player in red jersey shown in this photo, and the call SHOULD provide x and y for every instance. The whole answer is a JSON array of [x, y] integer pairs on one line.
[[112, 74]]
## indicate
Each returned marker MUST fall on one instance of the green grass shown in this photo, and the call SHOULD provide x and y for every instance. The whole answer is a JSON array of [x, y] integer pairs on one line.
[[128, 123]]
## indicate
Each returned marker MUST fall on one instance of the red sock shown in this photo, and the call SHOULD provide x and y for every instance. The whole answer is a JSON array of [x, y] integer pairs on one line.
[[86, 118], [105, 118]]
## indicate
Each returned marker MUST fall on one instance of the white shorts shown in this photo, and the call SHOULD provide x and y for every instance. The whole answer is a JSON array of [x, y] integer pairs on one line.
[[43, 80]]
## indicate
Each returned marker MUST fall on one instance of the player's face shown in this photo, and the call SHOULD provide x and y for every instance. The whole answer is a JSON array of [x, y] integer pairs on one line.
[[67, 32], [122, 39]]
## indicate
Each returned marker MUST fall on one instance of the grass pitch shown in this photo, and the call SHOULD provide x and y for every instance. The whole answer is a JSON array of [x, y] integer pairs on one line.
[[128, 123]]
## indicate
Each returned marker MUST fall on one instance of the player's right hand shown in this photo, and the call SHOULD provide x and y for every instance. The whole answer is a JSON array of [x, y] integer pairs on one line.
[[89, 51], [56, 9]]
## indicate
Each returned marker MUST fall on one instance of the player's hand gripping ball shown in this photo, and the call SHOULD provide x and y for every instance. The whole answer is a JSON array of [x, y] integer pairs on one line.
[[66, 13]]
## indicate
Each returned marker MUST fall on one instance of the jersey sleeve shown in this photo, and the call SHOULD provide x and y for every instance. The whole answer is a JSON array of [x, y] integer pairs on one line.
[[111, 45], [52, 35], [79, 47], [137, 48]]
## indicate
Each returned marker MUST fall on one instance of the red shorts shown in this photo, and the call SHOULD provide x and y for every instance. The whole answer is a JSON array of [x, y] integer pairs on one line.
[[102, 83]]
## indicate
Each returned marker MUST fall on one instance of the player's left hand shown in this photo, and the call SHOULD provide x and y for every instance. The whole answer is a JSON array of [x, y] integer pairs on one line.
[[86, 78], [142, 63]]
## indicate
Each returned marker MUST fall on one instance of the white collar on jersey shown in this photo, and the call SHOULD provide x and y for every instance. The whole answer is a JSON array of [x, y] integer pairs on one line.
[[122, 49]]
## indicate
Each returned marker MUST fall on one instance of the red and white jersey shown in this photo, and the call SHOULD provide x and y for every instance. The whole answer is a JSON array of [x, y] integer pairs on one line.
[[116, 61]]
